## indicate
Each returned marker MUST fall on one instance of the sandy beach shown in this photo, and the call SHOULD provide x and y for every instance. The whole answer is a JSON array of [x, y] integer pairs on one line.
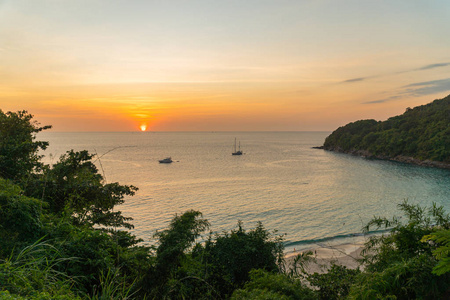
[[343, 254]]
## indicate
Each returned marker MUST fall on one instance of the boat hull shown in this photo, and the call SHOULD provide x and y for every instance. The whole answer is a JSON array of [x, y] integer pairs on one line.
[[165, 161]]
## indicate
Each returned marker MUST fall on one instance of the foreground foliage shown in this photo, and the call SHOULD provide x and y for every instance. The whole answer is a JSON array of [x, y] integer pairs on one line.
[[267, 285], [442, 251], [18, 145], [401, 265]]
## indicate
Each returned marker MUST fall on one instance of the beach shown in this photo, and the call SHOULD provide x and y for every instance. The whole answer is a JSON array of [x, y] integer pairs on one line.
[[324, 255]]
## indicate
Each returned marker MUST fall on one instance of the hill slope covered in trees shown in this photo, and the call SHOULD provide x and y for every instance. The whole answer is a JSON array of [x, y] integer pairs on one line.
[[421, 135]]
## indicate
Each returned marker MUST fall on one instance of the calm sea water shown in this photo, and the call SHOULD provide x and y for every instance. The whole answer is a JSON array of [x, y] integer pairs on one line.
[[310, 195]]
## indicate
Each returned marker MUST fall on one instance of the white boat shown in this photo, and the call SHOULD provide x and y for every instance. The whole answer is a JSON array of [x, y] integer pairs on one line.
[[237, 152], [166, 160]]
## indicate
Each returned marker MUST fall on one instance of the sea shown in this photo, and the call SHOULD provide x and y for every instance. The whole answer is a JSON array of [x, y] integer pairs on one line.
[[311, 196]]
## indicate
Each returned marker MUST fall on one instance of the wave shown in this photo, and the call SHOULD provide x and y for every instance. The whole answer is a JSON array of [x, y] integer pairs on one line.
[[337, 239]]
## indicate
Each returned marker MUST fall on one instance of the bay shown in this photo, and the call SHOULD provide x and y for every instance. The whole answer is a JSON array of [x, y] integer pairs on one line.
[[313, 196]]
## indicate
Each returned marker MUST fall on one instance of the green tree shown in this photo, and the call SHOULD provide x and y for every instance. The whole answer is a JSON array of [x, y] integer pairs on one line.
[[98, 253], [172, 252], [333, 284], [442, 251], [20, 217], [74, 187], [231, 256], [53, 210], [264, 285], [400, 265], [18, 145]]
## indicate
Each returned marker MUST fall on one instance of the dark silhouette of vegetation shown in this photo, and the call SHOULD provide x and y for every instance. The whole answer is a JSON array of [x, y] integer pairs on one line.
[[215, 268], [60, 238], [269, 285], [421, 133], [334, 284], [233, 255], [18, 147], [20, 217], [73, 186], [167, 275]]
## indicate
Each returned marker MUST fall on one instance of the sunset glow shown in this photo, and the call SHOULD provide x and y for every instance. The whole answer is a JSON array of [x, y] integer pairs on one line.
[[143, 127], [223, 66]]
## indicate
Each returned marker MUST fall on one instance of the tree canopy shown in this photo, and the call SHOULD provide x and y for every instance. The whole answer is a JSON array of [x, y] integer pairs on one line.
[[18, 145]]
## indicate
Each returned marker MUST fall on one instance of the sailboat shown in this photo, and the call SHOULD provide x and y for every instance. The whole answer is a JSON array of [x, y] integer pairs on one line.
[[238, 152]]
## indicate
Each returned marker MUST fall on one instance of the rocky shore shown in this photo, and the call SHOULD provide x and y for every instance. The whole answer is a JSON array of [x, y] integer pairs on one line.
[[399, 158]]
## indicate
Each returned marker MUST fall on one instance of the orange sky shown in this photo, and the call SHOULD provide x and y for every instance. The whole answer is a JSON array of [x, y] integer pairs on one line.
[[220, 66]]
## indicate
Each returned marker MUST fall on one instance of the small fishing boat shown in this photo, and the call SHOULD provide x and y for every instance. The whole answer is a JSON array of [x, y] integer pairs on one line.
[[237, 152], [166, 160]]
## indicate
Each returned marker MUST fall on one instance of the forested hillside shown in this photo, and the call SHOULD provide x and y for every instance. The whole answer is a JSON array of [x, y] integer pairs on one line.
[[420, 135]]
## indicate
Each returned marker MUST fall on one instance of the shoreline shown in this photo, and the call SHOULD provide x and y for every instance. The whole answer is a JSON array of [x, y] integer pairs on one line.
[[398, 158], [346, 254]]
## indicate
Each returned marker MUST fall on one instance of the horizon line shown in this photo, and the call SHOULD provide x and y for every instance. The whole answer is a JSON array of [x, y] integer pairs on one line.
[[186, 131]]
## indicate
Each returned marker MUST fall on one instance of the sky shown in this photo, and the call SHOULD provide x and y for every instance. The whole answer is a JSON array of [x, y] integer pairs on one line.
[[233, 65]]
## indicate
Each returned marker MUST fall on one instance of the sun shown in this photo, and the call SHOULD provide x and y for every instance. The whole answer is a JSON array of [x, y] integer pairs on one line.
[[143, 127]]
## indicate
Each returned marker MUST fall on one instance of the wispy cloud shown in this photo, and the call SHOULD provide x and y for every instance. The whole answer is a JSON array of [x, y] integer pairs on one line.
[[383, 100], [424, 68], [433, 66], [417, 89], [428, 87], [355, 79]]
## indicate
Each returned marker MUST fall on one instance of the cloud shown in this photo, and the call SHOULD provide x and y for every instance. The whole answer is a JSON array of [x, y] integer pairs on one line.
[[355, 79], [428, 87], [432, 66], [424, 68], [418, 89], [383, 100]]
